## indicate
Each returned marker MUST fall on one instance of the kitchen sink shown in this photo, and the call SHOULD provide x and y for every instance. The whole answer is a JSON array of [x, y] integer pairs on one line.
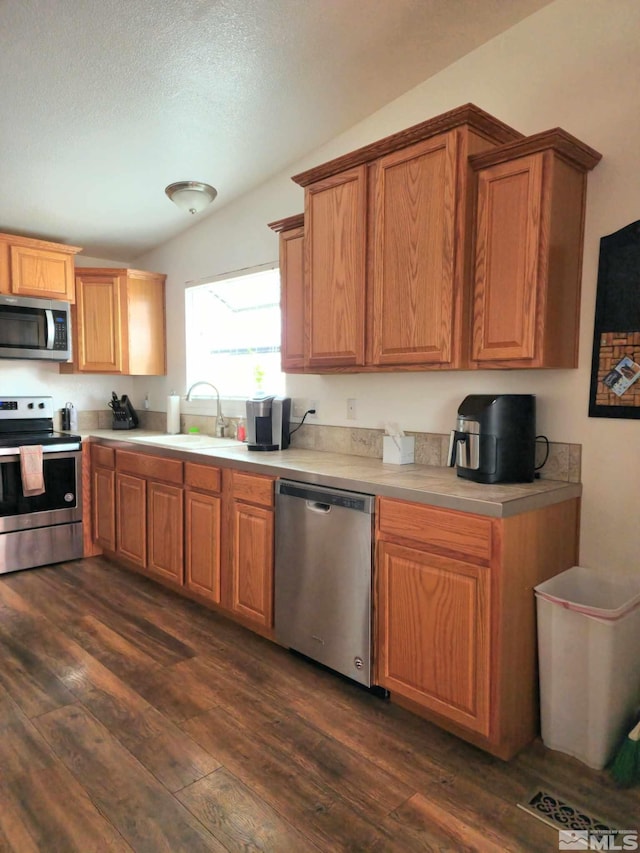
[[189, 441]]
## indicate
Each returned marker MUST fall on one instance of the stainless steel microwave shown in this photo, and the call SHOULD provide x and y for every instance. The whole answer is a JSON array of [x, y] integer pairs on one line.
[[35, 328]]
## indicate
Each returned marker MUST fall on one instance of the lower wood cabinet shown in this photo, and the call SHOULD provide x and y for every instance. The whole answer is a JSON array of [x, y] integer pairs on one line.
[[203, 530], [103, 495], [131, 518], [455, 619], [251, 531], [165, 531], [191, 525], [149, 514], [433, 637]]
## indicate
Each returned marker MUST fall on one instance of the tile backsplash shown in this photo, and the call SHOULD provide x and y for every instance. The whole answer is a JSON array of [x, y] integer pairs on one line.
[[564, 462]]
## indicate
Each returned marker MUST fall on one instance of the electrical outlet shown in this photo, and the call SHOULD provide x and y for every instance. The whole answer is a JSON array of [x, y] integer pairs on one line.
[[298, 408], [351, 408], [313, 404]]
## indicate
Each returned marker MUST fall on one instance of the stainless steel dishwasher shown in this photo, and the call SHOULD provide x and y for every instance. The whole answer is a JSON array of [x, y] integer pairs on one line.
[[323, 575]]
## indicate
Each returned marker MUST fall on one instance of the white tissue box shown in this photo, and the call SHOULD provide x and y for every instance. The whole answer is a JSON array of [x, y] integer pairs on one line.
[[398, 449]]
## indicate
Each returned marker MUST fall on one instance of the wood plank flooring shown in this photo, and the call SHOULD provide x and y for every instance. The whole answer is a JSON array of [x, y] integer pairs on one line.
[[133, 719]]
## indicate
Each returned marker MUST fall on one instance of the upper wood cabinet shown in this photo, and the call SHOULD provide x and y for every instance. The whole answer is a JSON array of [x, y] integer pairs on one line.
[[291, 232], [119, 323], [528, 251], [387, 268], [31, 267], [456, 243], [335, 269]]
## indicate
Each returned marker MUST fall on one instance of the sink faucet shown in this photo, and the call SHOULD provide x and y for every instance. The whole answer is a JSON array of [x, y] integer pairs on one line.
[[220, 420]]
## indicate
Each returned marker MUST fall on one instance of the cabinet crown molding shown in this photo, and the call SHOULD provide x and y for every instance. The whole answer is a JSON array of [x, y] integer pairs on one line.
[[468, 114], [288, 223], [558, 140], [37, 243]]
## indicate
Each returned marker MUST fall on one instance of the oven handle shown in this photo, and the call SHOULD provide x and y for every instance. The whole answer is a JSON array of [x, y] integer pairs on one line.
[[50, 327], [8, 454]]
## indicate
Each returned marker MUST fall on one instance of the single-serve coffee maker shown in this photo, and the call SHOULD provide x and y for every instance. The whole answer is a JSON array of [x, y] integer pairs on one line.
[[495, 438], [268, 423]]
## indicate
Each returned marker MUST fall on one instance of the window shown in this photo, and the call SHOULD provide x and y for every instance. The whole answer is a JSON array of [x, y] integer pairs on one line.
[[233, 334]]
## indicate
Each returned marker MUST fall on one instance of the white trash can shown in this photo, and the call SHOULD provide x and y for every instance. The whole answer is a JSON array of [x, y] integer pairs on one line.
[[589, 661]]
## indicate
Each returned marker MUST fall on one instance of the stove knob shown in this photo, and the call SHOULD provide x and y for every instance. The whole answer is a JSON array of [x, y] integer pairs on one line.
[[29, 405], [41, 405]]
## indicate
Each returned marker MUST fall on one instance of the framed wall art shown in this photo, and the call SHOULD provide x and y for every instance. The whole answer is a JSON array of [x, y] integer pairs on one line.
[[615, 364]]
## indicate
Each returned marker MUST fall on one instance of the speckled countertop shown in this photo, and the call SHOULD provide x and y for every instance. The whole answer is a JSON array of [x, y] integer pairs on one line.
[[420, 483]]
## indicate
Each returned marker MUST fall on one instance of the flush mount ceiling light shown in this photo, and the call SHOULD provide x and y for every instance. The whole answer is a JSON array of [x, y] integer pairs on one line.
[[193, 196]]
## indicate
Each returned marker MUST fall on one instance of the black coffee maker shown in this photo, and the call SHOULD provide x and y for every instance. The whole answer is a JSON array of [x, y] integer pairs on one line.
[[268, 423], [495, 438]]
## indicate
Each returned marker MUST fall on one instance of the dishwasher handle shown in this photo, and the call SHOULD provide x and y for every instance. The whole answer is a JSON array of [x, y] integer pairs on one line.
[[316, 506]]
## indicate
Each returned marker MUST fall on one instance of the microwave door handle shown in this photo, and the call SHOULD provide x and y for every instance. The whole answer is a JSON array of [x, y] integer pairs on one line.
[[50, 327]]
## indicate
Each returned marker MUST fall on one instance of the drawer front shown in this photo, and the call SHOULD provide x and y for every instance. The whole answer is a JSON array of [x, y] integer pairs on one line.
[[153, 467], [104, 457], [202, 477], [445, 530], [253, 488]]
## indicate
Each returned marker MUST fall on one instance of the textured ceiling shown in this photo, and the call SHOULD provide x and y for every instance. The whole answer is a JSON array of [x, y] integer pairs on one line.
[[105, 102]]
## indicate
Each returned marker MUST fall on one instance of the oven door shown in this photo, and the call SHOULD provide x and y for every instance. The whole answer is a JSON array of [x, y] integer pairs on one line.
[[60, 503]]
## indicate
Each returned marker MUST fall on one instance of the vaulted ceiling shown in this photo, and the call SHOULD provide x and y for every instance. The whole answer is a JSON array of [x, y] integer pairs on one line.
[[105, 102]]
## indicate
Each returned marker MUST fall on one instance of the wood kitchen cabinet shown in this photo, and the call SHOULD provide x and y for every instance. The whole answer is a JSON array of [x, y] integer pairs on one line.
[[455, 618], [528, 251], [249, 581], [291, 231], [30, 267], [401, 274], [119, 323], [165, 530], [131, 518], [203, 530], [149, 513], [387, 262], [103, 497]]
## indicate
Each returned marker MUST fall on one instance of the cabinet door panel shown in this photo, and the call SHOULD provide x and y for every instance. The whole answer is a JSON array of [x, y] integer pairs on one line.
[[202, 544], [252, 571], [165, 531], [507, 296], [104, 508], [434, 633], [413, 253], [42, 272], [99, 325], [292, 297], [131, 501], [335, 223], [145, 340]]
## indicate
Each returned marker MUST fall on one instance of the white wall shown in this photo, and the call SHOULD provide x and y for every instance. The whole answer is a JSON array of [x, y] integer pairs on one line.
[[575, 65]]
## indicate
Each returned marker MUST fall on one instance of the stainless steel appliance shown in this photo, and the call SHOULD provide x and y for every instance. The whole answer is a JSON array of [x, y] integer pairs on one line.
[[495, 438], [323, 575], [268, 423], [35, 328], [46, 528]]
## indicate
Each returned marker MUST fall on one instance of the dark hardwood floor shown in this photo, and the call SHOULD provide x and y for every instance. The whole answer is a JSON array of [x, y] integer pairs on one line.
[[132, 719]]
